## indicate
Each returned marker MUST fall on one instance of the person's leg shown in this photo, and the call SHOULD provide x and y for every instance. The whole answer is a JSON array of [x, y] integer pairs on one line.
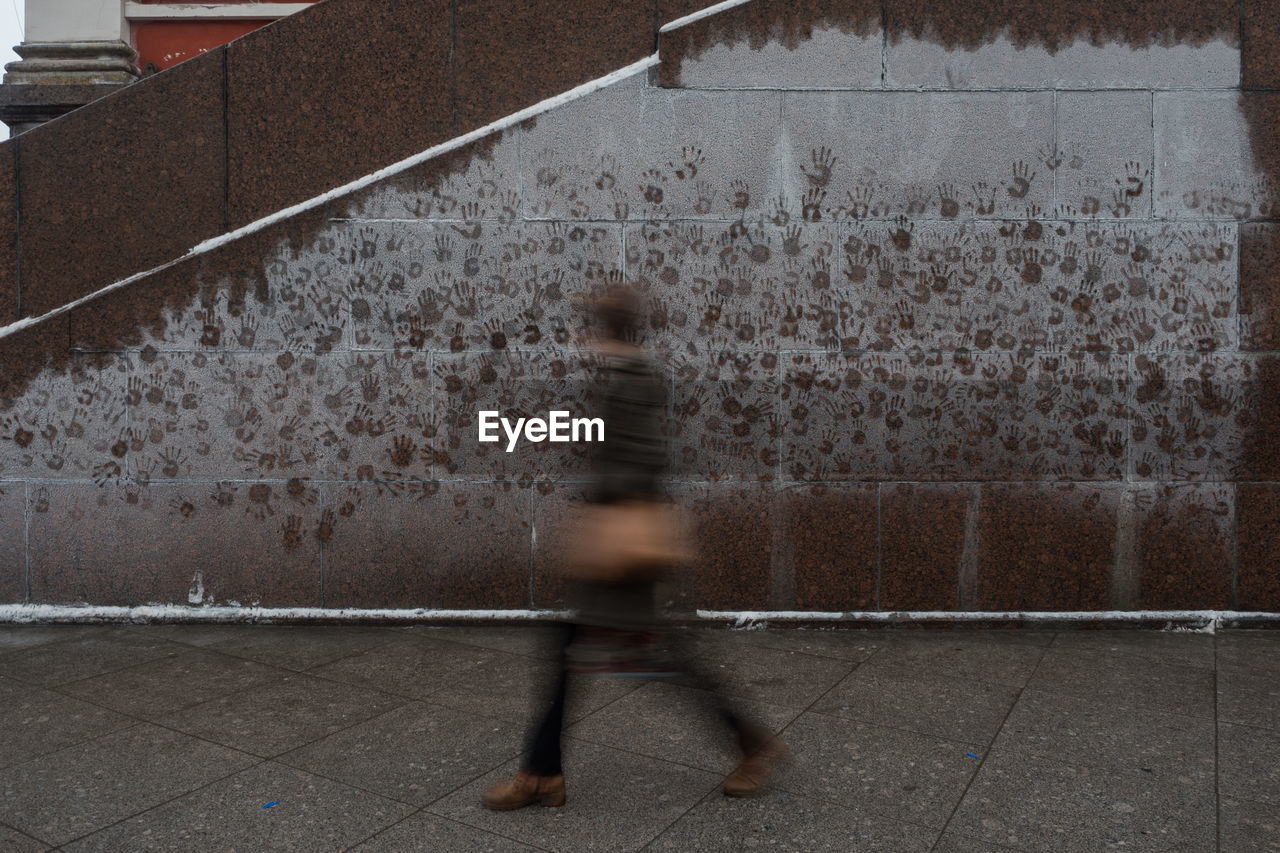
[[541, 779], [543, 757]]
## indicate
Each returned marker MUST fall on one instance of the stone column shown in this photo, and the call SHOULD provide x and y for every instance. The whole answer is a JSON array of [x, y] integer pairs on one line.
[[75, 52]]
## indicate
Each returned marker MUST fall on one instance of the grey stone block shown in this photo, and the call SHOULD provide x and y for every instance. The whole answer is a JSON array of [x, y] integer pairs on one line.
[[479, 181], [1079, 65], [634, 152], [1036, 804], [947, 154], [474, 284], [1103, 157], [13, 548], [830, 59], [1204, 159], [70, 424], [1189, 418]]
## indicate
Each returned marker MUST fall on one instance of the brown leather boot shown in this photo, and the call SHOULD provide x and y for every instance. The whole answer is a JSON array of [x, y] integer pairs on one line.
[[525, 790], [763, 755]]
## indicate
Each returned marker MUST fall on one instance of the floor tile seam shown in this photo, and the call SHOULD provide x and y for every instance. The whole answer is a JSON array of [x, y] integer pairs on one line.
[[705, 798], [129, 722], [243, 690], [160, 805], [578, 736], [986, 752], [809, 708], [1116, 706], [329, 734], [25, 834], [417, 811], [817, 655], [871, 809], [112, 671], [940, 672], [422, 810], [1139, 709], [345, 783], [1217, 757], [364, 685], [61, 692], [1270, 730], [881, 726]]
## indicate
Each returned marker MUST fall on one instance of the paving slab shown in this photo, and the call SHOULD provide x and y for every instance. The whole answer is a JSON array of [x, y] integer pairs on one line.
[[773, 676], [36, 721], [507, 687], [415, 753], [413, 668], [531, 640], [1244, 825], [12, 841], [310, 814], [963, 655], [300, 647], [83, 656], [281, 716], [641, 796], [1036, 804], [1249, 695], [1182, 647], [1249, 763], [1139, 683], [424, 831], [855, 645], [1086, 731], [886, 772], [60, 797], [785, 822], [675, 723], [153, 689], [926, 703], [14, 637], [953, 842]]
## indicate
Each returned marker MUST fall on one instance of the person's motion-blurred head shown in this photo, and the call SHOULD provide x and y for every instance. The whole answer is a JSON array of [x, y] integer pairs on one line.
[[616, 315]]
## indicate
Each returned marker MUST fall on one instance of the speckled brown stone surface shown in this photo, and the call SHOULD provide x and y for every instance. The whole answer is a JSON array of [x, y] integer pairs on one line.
[[547, 48], [433, 545], [1258, 546], [229, 282], [830, 535], [26, 353], [9, 297], [1046, 547], [125, 544], [123, 184], [304, 120], [1261, 424], [1262, 114], [922, 537], [757, 22], [969, 23], [1184, 538], [554, 508], [733, 530], [1260, 44], [13, 525], [1260, 286]]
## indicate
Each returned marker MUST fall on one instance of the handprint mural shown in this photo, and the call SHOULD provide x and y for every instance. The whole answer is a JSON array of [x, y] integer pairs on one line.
[[912, 300]]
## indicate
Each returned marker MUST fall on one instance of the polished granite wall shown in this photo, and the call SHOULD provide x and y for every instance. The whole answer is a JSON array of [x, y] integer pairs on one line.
[[958, 312]]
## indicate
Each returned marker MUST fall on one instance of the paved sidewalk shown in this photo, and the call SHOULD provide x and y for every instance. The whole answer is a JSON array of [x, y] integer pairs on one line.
[[381, 739]]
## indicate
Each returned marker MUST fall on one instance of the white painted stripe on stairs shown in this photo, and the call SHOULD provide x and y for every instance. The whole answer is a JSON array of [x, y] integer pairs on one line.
[[704, 13], [358, 184], [28, 613]]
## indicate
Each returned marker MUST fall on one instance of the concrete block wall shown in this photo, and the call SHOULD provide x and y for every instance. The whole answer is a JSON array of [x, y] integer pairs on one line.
[[951, 322]]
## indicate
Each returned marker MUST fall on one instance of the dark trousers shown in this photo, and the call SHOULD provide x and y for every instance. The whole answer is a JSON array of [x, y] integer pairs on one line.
[[544, 746]]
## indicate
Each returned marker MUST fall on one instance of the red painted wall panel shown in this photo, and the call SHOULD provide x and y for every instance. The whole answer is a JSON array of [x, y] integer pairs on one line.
[[166, 43]]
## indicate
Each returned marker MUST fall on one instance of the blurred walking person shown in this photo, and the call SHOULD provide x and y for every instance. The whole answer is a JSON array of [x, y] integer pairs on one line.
[[628, 536]]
